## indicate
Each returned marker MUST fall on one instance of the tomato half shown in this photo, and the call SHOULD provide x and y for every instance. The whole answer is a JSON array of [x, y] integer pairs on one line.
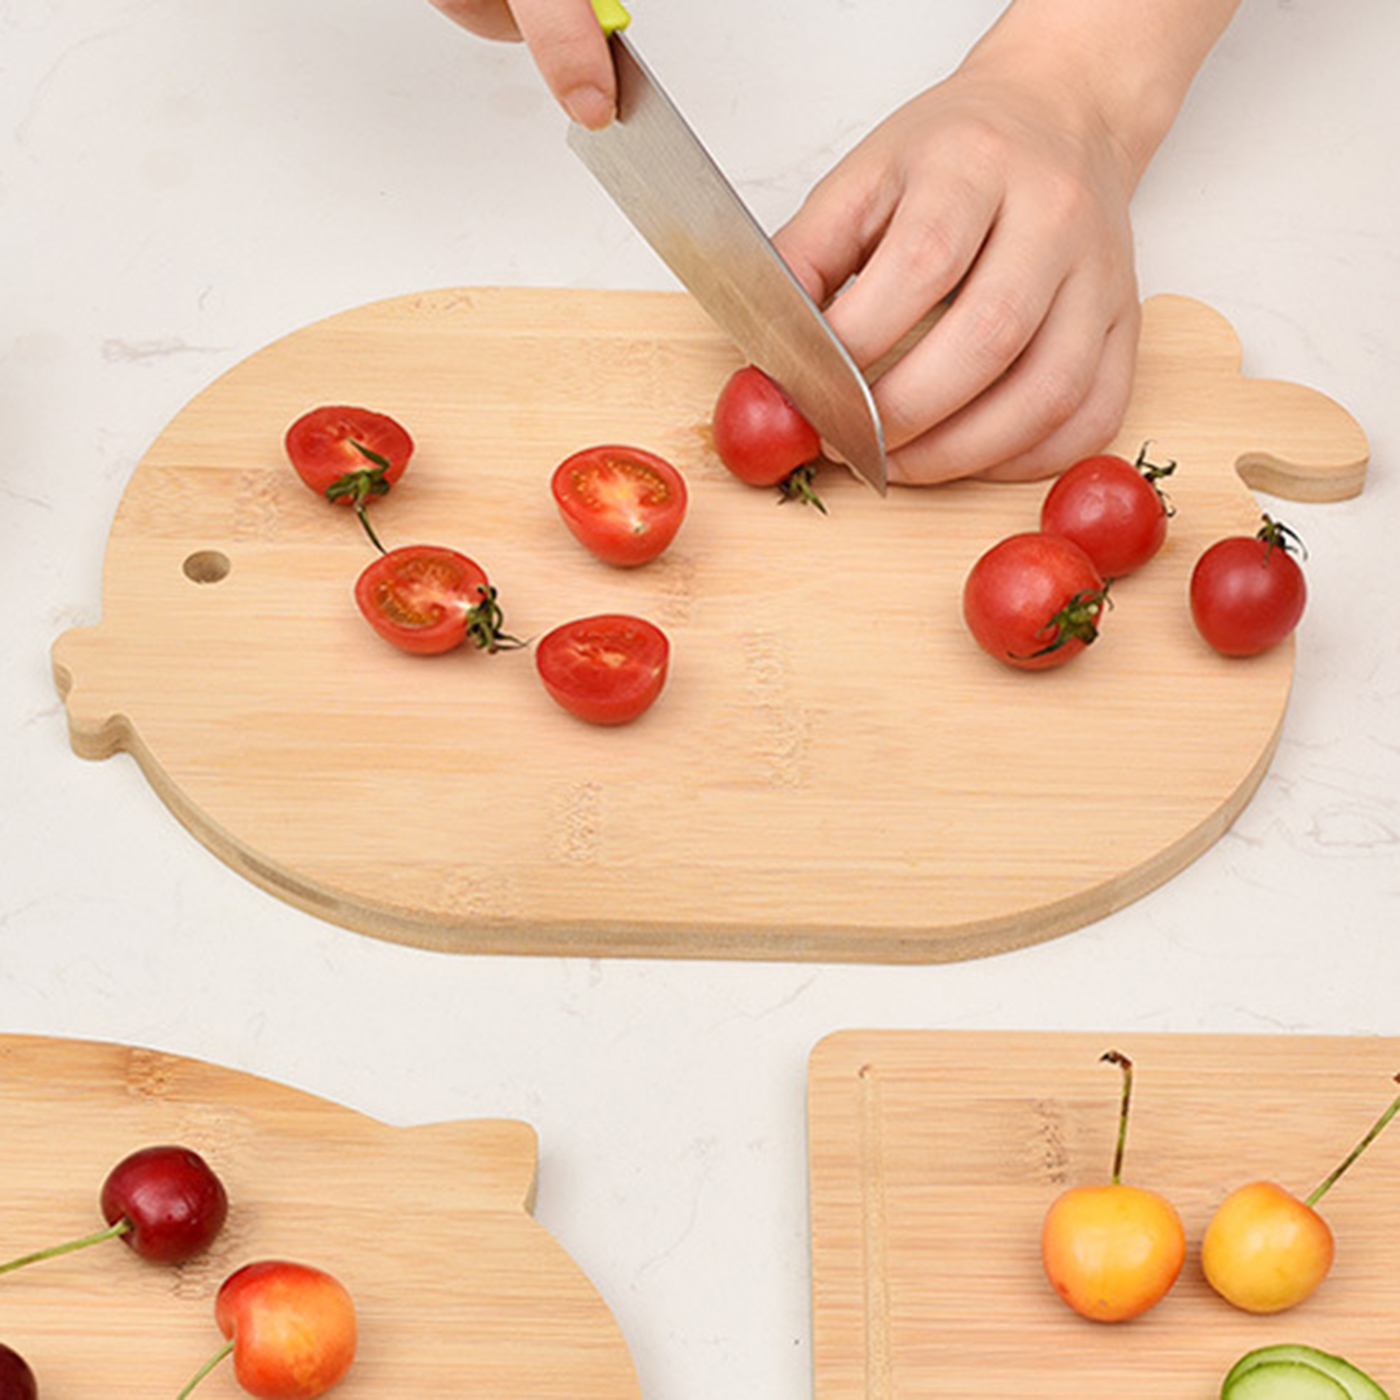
[[1112, 509], [1034, 601], [427, 600], [622, 503], [606, 669], [1247, 592], [349, 455], [762, 437]]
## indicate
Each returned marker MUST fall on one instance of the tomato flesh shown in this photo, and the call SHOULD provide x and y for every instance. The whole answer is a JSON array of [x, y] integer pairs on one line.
[[1111, 510], [607, 669], [622, 503], [1247, 595], [420, 597], [759, 433], [321, 446], [1034, 601]]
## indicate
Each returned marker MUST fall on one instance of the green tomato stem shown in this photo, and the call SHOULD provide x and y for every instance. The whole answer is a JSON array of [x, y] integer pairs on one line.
[[1374, 1132], [122, 1227], [204, 1370]]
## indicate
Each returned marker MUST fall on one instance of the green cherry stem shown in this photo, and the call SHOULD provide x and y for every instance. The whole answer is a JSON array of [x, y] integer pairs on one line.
[[112, 1232], [1113, 1057], [204, 1370], [1374, 1132]]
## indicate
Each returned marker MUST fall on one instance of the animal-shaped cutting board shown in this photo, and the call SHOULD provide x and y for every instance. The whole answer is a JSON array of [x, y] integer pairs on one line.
[[834, 772], [457, 1289]]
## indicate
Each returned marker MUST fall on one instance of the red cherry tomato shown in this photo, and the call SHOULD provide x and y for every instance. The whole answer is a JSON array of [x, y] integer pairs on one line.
[[762, 437], [349, 455], [427, 600], [1112, 509], [1034, 601], [1247, 592], [606, 669], [622, 503]]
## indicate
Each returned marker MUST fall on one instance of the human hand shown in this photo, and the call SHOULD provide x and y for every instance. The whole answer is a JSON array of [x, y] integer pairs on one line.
[[992, 190], [565, 40]]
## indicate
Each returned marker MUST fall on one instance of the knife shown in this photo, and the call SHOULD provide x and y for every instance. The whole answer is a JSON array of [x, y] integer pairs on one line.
[[665, 181]]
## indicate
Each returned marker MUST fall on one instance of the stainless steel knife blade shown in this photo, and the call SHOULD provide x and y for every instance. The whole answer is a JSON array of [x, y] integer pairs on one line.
[[661, 176]]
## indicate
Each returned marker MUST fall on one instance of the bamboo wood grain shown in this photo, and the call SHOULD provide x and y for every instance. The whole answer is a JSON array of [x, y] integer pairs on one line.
[[458, 1290], [934, 1156], [834, 771]]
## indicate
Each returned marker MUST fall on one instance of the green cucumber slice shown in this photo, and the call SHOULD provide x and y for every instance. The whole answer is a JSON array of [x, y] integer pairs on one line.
[[1352, 1378], [1283, 1380]]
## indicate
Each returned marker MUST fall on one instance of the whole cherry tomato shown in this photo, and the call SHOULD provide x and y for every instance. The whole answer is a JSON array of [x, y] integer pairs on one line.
[[762, 437], [1034, 601], [1247, 592], [349, 455], [623, 504], [606, 669], [1112, 509], [427, 600]]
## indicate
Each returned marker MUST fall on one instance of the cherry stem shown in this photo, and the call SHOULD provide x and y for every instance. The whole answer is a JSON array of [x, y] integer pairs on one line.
[[112, 1232], [1113, 1057], [204, 1370], [1371, 1136]]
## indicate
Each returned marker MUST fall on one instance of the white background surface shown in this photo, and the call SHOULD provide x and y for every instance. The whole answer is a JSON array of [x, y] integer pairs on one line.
[[181, 183]]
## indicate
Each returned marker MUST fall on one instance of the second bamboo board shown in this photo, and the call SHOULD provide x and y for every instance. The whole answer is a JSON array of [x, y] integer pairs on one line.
[[834, 772]]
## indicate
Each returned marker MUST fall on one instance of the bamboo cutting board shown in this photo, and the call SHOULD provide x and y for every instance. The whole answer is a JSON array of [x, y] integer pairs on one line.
[[834, 771], [457, 1290], [934, 1156]]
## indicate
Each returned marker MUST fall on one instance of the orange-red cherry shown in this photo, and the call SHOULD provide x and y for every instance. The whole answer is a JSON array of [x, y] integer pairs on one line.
[[1112, 1251]]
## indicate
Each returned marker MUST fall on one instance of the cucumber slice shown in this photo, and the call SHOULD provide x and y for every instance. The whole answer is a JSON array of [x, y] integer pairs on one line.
[[1283, 1380], [1352, 1378]]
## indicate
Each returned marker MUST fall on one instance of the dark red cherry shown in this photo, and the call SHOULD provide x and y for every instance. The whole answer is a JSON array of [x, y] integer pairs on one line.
[[16, 1379]]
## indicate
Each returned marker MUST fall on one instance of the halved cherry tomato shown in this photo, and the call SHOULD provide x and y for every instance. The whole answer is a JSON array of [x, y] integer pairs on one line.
[[349, 455], [1034, 601], [427, 599], [762, 437], [1112, 509], [1247, 592], [622, 503], [606, 669]]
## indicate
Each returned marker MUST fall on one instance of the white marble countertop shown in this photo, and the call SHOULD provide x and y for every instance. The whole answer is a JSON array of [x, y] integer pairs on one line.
[[182, 183]]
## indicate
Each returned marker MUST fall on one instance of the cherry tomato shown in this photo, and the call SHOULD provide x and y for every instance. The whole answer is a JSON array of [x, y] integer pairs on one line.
[[762, 437], [622, 503], [1112, 509], [1034, 601], [606, 669], [427, 600], [349, 455], [1247, 592]]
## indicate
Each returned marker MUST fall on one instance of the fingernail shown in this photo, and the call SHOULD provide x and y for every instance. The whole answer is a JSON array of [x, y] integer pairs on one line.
[[589, 106]]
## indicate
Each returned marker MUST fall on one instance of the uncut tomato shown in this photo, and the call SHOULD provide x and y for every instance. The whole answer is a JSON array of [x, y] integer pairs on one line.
[[623, 504], [427, 600], [606, 669], [1112, 509], [1034, 601], [349, 455], [1247, 592], [762, 437]]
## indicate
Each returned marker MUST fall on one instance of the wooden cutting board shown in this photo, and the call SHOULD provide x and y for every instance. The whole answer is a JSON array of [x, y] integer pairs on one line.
[[458, 1291], [834, 772], [934, 1157]]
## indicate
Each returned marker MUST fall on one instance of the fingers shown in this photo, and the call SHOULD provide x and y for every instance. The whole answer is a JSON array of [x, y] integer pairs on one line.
[[1062, 400], [564, 39]]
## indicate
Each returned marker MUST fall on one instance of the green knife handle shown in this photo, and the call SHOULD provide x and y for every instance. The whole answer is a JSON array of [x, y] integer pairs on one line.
[[611, 15]]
